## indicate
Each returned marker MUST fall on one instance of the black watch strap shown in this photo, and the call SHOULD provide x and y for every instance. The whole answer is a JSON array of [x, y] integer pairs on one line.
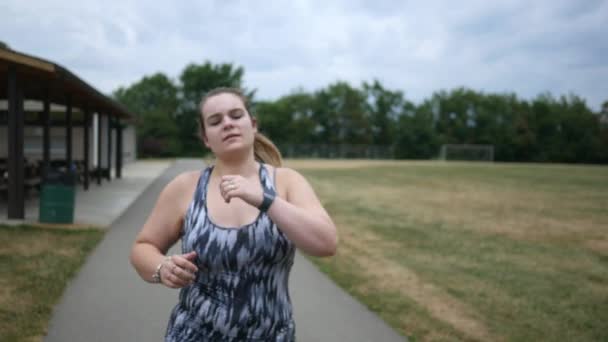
[[267, 201]]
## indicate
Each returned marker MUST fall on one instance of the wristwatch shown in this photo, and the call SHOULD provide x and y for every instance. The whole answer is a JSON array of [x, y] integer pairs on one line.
[[156, 275], [269, 197]]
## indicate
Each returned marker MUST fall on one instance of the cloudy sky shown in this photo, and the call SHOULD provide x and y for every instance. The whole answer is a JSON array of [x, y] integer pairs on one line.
[[526, 47]]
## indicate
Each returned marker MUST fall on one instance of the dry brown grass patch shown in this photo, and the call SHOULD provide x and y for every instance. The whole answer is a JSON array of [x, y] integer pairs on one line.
[[367, 250], [35, 267], [518, 214], [325, 164], [45, 243], [534, 239], [598, 245]]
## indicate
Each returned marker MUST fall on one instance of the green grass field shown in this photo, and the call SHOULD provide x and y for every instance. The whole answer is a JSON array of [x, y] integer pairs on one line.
[[471, 251], [35, 267]]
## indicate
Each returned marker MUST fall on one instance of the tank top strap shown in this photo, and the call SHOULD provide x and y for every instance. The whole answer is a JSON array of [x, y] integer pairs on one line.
[[267, 181], [201, 188], [200, 192], [197, 202]]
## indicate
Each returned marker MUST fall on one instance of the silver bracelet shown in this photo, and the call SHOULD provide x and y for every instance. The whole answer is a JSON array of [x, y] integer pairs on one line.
[[156, 275]]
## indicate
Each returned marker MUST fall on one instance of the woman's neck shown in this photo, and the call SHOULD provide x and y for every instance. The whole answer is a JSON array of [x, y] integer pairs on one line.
[[244, 167]]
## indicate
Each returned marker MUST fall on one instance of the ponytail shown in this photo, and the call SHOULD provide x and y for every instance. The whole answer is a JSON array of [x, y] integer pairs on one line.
[[265, 151]]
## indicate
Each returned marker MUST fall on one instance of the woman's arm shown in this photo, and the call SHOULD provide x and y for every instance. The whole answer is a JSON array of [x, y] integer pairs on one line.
[[160, 232], [301, 216]]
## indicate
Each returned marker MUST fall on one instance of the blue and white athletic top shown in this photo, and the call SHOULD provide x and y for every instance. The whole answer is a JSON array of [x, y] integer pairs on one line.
[[241, 289]]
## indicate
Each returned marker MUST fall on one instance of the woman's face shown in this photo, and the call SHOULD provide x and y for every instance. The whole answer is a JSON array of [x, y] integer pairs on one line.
[[228, 125]]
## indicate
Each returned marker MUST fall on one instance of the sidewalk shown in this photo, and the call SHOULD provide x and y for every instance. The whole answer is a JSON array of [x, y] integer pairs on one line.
[[107, 301]]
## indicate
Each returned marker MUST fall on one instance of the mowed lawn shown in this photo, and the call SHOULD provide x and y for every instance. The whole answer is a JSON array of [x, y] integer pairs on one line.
[[471, 251], [36, 265]]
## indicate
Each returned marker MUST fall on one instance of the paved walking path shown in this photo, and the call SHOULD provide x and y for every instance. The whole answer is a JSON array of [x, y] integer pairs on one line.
[[107, 301]]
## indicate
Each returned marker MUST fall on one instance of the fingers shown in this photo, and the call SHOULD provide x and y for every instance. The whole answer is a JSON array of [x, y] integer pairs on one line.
[[179, 271], [230, 187], [230, 194], [182, 262], [190, 256], [174, 281], [239, 187], [229, 184], [175, 277], [229, 177]]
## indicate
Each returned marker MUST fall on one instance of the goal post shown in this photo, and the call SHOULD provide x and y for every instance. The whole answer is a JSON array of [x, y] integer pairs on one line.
[[470, 152]]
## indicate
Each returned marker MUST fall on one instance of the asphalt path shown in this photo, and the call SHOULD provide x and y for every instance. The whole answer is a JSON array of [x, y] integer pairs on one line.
[[108, 301]]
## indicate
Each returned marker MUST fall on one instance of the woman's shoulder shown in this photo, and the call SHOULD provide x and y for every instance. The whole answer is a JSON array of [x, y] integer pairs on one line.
[[183, 181], [285, 171], [286, 176], [292, 185], [187, 176]]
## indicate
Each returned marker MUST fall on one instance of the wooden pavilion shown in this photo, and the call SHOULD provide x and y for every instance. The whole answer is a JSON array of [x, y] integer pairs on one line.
[[24, 78]]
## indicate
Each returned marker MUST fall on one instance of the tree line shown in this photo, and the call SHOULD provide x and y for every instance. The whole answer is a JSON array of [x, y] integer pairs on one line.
[[543, 129]]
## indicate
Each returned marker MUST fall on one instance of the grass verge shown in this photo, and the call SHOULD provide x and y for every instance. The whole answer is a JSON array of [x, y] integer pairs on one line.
[[36, 265], [471, 251]]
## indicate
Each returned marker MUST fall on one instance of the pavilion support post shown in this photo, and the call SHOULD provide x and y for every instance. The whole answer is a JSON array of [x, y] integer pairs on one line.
[[118, 150], [109, 148], [46, 134], [68, 135], [16, 123], [98, 173], [86, 145]]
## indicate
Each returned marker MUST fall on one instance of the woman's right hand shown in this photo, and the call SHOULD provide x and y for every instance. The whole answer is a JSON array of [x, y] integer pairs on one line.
[[179, 270]]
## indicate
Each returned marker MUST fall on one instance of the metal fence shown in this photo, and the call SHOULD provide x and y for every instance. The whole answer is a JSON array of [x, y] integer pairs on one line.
[[337, 151], [467, 152]]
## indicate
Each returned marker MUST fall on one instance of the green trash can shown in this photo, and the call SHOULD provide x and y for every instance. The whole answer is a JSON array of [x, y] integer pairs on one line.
[[58, 197]]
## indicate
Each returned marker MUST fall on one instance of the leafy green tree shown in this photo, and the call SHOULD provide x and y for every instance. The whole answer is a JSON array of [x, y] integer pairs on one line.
[[545, 124], [497, 117], [274, 120], [566, 130], [340, 115], [383, 107], [154, 101], [579, 130], [545, 129], [451, 111], [525, 143], [151, 93], [159, 136], [602, 148], [416, 137], [288, 120]]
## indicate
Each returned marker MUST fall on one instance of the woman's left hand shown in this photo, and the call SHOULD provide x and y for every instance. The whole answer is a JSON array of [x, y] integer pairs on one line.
[[240, 187]]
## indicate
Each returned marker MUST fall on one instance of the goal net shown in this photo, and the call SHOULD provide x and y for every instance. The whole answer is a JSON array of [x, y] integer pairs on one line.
[[472, 152]]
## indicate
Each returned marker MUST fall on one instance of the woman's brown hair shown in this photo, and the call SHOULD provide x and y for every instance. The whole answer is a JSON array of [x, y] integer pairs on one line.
[[264, 150]]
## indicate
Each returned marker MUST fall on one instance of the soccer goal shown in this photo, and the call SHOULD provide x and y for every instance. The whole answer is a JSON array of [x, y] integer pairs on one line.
[[472, 152]]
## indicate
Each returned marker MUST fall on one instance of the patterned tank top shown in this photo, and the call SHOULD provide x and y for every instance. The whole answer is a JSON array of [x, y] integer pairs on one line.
[[241, 289]]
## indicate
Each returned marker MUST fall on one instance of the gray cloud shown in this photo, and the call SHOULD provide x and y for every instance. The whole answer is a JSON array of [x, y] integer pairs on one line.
[[516, 46]]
